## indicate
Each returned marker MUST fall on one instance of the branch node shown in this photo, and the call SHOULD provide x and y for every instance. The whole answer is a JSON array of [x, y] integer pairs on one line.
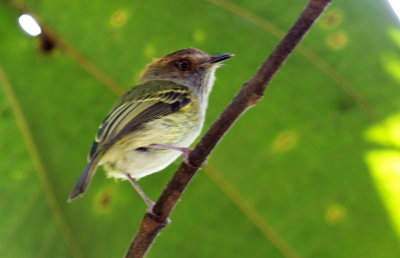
[[158, 219], [254, 98]]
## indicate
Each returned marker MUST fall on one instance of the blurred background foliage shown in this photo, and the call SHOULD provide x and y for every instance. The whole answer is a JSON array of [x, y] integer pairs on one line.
[[311, 171]]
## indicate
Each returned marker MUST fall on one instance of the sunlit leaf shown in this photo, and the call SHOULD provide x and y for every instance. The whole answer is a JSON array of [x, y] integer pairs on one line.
[[310, 171]]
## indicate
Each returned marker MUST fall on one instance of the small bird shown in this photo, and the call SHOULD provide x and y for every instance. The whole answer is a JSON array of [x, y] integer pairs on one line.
[[155, 121]]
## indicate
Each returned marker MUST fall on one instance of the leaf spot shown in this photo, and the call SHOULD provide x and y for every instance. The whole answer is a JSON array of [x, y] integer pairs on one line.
[[335, 214], [337, 40], [104, 201], [119, 18], [284, 141]]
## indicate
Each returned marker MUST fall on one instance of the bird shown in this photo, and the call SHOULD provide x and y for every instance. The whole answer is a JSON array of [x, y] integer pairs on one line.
[[154, 122]]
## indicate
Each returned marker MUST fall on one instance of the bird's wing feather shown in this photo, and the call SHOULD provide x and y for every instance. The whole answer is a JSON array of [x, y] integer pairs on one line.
[[141, 104]]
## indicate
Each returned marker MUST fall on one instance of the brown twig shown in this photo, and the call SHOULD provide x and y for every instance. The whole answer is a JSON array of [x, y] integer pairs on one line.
[[251, 92]]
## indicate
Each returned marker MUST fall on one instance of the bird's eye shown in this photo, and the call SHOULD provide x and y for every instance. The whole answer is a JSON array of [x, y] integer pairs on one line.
[[183, 64]]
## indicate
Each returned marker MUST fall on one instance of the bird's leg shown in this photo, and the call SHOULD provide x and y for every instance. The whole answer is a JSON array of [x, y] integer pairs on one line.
[[185, 151], [146, 199]]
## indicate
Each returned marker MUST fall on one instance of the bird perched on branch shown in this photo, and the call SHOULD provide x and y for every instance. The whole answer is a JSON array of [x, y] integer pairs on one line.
[[155, 121]]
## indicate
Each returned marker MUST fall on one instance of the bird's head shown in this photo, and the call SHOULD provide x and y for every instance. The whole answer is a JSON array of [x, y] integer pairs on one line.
[[190, 66]]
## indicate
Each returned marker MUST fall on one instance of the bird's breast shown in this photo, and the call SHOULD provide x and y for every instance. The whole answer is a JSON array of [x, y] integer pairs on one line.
[[132, 153]]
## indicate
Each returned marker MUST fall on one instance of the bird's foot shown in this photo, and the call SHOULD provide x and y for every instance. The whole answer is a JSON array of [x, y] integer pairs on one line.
[[186, 151], [150, 209]]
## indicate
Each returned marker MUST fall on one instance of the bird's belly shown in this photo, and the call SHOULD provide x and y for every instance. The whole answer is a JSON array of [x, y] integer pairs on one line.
[[133, 155]]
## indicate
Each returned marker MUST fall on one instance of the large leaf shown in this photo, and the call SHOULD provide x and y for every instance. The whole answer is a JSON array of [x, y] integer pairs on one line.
[[310, 171]]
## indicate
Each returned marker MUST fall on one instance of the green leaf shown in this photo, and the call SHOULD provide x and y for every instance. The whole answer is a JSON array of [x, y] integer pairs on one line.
[[311, 171]]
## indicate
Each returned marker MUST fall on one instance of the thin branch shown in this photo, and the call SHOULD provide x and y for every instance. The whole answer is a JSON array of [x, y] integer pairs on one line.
[[251, 92]]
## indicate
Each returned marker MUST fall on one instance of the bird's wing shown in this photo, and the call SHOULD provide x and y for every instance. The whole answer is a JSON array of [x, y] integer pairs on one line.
[[143, 103]]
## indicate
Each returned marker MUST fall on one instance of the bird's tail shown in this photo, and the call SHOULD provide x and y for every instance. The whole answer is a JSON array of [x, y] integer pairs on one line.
[[85, 178]]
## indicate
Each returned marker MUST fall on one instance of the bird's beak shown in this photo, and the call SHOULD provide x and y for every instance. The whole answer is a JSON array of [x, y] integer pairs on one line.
[[219, 58]]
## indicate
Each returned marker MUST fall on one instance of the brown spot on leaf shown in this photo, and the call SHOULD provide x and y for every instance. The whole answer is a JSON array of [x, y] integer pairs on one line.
[[285, 141], [331, 19], [345, 104], [104, 200], [119, 18], [337, 40], [47, 44], [335, 214]]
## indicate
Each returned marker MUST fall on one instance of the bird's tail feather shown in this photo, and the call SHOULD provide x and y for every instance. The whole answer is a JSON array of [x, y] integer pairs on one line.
[[85, 179]]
